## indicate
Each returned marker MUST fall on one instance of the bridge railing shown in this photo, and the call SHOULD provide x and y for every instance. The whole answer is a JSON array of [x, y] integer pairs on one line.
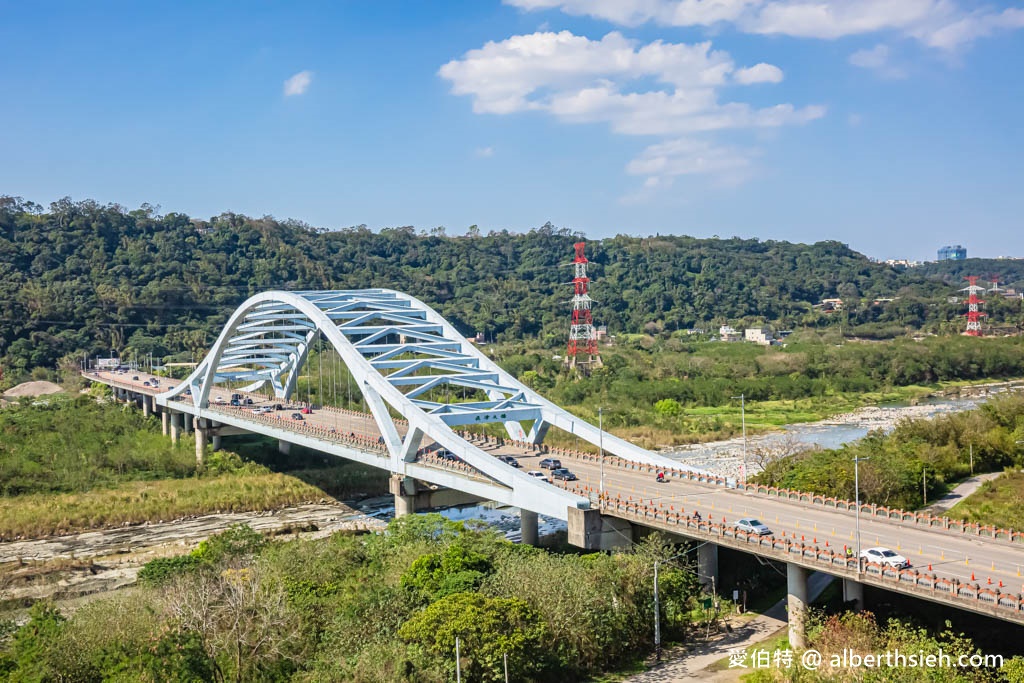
[[922, 519], [991, 599]]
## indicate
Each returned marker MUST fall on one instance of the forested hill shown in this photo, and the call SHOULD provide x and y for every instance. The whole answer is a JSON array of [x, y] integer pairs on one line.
[[85, 277]]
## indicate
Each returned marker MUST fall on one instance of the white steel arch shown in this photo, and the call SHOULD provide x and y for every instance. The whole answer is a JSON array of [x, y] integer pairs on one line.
[[401, 354]]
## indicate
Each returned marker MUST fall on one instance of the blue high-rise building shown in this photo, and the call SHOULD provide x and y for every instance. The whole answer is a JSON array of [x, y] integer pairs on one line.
[[953, 253]]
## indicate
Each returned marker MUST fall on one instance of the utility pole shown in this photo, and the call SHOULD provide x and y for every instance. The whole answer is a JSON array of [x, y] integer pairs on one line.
[[743, 420], [924, 484], [657, 617], [856, 493], [972, 459], [458, 664], [600, 440]]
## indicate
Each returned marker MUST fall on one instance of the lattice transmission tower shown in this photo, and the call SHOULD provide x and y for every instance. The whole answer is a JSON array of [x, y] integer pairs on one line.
[[582, 334], [974, 314]]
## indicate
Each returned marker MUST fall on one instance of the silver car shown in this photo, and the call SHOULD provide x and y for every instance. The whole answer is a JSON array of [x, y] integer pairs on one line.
[[752, 526]]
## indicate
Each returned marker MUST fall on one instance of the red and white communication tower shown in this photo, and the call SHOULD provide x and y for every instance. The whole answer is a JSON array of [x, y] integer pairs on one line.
[[974, 314], [582, 335]]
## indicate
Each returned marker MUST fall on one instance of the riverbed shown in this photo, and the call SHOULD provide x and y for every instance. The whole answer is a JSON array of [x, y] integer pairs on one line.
[[725, 458]]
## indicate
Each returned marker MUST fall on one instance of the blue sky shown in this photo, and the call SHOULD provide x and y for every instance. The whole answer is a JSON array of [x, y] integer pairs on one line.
[[891, 125]]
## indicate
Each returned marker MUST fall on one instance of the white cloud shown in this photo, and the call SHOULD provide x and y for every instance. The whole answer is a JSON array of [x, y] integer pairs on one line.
[[944, 24], [655, 89], [854, 120], [298, 84], [484, 152], [877, 59], [759, 73]]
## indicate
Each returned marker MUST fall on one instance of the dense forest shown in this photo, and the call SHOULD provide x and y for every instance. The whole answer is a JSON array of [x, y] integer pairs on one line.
[[84, 277]]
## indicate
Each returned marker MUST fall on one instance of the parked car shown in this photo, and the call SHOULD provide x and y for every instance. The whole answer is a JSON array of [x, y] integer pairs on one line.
[[297, 416], [537, 474], [306, 411], [752, 526], [509, 460], [563, 474], [550, 464], [885, 556]]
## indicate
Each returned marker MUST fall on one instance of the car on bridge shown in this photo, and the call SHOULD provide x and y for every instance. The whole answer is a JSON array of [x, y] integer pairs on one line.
[[537, 474], [752, 526], [509, 460], [307, 411], [563, 474], [882, 555], [550, 464], [297, 416]]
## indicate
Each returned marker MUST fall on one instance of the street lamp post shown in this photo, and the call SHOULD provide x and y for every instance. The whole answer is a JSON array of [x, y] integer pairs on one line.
[[743, 421], [856, 495]]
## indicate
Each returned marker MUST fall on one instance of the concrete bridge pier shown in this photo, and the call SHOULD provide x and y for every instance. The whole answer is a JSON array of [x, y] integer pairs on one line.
[[165, 421], [216, 442], [707, 563], [187, 422], [528, 527], [176, 419], [283, 447], [146, 409], [200, 444], [404, 490], [854, 591], [796, 583]]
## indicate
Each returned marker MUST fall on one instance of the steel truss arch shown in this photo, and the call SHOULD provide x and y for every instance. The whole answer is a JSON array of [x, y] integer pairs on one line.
[[401, 354]]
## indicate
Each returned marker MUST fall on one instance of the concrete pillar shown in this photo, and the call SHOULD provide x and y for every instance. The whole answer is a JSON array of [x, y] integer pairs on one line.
[[165, 421], [854, 591], [200, 445], [186, 422], [283, 447], [404, 505], [215, 442], [176, 420], [145, 406], [796, 583], [404, 490], [707, 563], [528, 525]]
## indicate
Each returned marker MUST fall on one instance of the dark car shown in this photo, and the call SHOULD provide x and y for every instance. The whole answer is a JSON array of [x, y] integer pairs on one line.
[[236, 397], [297, 416], [563, 474], [248, 401], [135, 378], [235, 402], [509, 460], [146, 384], [550, 464]]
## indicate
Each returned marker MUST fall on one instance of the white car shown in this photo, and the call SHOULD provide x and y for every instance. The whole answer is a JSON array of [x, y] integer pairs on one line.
[[882, 555], [537, 474], [752, 526]]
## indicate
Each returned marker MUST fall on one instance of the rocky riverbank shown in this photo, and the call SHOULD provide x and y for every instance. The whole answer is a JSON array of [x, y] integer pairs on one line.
[[726, 457], [65, 567]]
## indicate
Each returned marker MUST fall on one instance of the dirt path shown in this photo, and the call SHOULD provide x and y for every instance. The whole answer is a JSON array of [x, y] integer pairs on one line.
[[95, 561]]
